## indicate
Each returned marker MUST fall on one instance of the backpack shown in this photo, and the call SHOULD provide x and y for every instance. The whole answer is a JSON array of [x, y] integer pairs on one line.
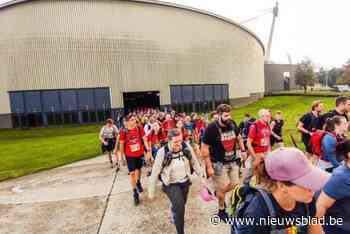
[[315, 142], [240, 198], [246, 127], [168, 157]]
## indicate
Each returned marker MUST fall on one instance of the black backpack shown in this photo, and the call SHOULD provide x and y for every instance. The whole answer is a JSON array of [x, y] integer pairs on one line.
[[168, 157], [241, 197], [246, 126]]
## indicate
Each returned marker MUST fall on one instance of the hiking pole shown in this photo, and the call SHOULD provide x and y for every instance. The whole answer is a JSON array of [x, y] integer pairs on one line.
[[293, 141]]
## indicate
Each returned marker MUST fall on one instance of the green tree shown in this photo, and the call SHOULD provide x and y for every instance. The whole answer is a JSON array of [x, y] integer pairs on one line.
[[321, 76], [335, 76], [305, 75]]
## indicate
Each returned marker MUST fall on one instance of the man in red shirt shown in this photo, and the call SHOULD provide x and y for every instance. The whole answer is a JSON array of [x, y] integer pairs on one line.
[[133, 144], [199, 129], [258, 142], [168, 124]]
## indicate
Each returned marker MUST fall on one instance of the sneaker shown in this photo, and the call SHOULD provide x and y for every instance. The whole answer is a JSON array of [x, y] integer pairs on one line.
[[223, 215], [139, 187], [136, 198], [111, 162]]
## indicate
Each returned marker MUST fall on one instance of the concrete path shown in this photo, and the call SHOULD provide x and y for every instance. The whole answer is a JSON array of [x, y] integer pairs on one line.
[[72, 199]]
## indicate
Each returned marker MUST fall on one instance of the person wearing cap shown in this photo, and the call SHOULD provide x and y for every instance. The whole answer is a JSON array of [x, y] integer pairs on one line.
[[291, 182], [334, 200]]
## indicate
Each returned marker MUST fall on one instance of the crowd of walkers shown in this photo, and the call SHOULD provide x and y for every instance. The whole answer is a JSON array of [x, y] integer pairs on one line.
[[245, 167]]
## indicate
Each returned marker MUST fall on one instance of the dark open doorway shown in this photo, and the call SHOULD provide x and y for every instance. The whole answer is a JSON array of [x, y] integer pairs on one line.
[[138, 100]]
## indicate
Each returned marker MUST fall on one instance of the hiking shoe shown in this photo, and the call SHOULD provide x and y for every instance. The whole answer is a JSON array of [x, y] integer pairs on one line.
[[223, 215], [139, 187], [136, 198]]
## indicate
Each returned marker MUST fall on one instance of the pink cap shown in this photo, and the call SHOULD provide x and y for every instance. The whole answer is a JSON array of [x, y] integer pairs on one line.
[[290, 164]]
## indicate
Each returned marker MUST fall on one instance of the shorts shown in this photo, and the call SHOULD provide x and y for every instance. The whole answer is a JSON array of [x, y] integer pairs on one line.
[[110, 145], [134, 163], [225, 174]]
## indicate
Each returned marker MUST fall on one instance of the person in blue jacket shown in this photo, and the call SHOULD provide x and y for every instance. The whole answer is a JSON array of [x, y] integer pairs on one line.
[[334, 200], [335, 126]]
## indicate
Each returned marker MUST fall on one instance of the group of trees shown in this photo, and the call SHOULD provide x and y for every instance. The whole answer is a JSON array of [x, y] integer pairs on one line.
[[306, 76]]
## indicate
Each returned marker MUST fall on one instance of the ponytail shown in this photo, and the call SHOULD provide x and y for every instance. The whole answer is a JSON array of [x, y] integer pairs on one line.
[[264, 178], [332, 122]]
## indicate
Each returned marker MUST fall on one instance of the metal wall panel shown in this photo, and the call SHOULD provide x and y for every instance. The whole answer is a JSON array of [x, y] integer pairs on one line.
[[69, 100], [17, 102], [51, 101], [74, 44]]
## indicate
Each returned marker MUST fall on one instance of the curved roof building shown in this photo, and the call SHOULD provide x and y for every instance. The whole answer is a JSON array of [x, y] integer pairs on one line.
[[76, 61]]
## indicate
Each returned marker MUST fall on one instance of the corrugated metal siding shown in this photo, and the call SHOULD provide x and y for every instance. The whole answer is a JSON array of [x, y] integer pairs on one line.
[[122, 45]]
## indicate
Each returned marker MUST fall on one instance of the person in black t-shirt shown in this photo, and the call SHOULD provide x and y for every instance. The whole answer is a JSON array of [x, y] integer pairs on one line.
[[342, 108], [308, 124], [219, 154], [276, 129]]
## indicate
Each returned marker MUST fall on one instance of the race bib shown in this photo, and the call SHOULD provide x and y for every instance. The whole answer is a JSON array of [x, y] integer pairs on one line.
[[135, 147], [264, 142]]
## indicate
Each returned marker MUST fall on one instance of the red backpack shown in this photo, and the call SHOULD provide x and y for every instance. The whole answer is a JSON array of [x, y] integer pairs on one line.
[[316, 142]]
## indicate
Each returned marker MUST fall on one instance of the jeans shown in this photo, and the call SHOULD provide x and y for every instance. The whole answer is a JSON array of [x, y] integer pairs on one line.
[[177, 194]]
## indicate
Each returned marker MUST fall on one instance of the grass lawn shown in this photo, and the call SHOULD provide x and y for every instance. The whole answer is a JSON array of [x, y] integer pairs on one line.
[[27, 151], [293, 107]]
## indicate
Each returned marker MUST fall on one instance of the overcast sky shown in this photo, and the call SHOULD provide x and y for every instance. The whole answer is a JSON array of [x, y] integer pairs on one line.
[[317, 29]]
